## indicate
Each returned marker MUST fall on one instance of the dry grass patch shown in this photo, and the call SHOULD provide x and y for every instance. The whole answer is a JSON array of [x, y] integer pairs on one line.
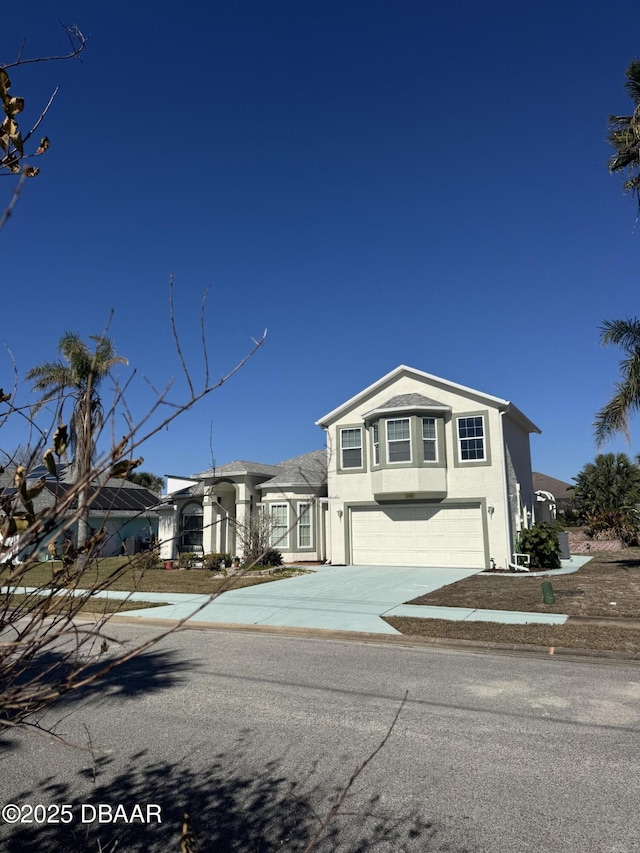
[[128, 576], [593, 637], [101, 606], [613, 577]]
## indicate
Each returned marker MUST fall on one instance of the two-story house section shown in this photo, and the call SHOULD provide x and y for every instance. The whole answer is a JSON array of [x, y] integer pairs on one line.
[[426, 472]]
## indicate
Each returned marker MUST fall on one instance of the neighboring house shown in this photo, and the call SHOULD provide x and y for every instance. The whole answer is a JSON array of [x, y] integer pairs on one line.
[[552, 496], [125, 509], [419, 471], [212, 511]]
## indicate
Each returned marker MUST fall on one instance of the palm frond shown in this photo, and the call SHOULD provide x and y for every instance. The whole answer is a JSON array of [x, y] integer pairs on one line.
[[613, 418], [633, 80], [624, 135], [623, 333]]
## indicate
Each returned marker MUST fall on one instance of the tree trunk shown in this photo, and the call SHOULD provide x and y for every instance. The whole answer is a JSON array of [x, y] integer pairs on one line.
[[84, 454]]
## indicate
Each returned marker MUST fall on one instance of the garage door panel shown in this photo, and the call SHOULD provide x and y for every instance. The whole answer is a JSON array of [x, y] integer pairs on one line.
[[419, 535]]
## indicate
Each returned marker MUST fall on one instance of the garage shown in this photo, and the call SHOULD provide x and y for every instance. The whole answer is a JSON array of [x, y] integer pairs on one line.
[[417, 535]]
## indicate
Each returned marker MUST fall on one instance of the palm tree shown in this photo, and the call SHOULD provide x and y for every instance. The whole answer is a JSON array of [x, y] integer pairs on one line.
[[148, 480], [624, 135], [77, 377], [607, 493], [614, 416]]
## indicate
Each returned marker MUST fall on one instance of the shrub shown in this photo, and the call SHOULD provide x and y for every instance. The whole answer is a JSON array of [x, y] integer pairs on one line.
[[146, 560], [541, 543], [272, 557], [615, 524], [186, 558], [214, 561]]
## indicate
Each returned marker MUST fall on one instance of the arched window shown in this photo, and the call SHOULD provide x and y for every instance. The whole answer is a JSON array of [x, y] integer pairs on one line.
[[191, 521]]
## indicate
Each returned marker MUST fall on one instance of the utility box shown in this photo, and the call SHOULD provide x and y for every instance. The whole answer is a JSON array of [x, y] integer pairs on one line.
[[563, 542]]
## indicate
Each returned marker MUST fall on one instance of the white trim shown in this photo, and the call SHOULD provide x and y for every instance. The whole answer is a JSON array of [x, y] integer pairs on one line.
[[309, 525], [437, 407], [433, 441], [283, 541], [483, 458], [397, 441], [420, 374], [375, 444], [344, 467]]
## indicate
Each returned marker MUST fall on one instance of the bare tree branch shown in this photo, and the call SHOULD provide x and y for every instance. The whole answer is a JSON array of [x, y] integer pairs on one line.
[[335, 808], [77, 40]]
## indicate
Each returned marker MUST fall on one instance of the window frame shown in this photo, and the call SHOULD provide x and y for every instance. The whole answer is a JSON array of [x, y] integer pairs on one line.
[[351, 429], [483, 438], [282, 542], [305, 509], [396, 441], [191, 532], [433, 441], [375, 443]]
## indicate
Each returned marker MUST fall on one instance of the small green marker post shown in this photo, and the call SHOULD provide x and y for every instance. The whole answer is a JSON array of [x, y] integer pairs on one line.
[[547, 593]]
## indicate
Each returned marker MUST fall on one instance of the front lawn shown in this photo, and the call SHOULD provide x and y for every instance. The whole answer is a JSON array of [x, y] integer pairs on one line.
[[608, 586], [595, 637], [100, 606], [125, 575]]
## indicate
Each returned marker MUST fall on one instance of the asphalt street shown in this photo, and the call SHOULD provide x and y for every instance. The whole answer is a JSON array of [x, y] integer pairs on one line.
[[255, 735]]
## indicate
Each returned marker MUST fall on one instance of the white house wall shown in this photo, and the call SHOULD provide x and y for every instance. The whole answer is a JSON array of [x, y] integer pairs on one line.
[[475, 482], [293, 497], [167, 531]]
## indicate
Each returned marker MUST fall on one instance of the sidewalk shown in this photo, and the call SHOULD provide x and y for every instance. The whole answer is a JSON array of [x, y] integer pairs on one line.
[[336, 598]]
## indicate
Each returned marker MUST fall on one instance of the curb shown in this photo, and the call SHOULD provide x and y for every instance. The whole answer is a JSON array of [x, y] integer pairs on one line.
[[407, 640]]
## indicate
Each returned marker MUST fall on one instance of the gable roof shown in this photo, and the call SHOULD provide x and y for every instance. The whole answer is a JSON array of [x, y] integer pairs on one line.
[[558, 488], [403, 369]]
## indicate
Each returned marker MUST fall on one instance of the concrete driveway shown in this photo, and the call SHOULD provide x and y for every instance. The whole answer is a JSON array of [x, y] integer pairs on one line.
[[341, 598]]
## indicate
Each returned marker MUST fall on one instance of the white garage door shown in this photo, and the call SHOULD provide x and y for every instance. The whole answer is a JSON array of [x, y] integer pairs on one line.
[[417, 536]]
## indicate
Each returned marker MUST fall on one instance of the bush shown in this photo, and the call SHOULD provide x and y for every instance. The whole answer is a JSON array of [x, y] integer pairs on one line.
[[541, 543], [616, 524], [186, 558], [272, 557], [146, 560], [214, 561]]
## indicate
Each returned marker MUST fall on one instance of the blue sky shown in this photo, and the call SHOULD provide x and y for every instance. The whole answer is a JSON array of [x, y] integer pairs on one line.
[[376, 183]]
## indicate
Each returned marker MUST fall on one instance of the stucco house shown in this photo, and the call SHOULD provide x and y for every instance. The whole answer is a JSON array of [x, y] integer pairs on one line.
[[418, 471], [209, 512], [425, 472]]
